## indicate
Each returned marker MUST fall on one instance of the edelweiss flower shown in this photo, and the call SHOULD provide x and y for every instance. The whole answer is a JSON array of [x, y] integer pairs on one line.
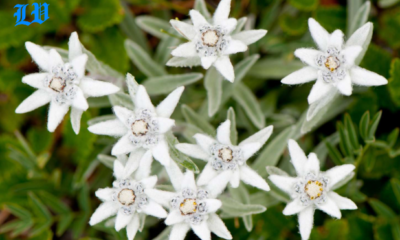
[[333, 65], [62, 84], [142, 128], [212, 42], [190, 207], [227, 163], [126, 198], [312, 189]]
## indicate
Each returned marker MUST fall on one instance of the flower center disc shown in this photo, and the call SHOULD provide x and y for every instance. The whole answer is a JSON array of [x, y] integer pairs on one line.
[[225, 154], [314, 189], [210, 38], [188, 206], [140, 128], [126, 197], [332, 63], [57, 84]]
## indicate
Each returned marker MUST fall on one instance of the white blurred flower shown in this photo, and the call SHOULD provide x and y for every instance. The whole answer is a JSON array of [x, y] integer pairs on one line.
[[312, 189], [63, 85], [142, 128], [333, 65], [127, 198], [213, 42], [226, 162]]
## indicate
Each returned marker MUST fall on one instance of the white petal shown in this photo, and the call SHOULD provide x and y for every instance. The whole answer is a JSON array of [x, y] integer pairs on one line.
[[123, 146], [149, 182], [229, 25], [259, 137], [105, 210], [95, 88], [80, 101], [350, 54], [39, 55], [204, 141], [206, 175], [55, 58], [359, 37], [285, 183], [192, 150], [168, 105], [213, 205], [161, 197], [109, 128], [224, 133], [179, 231], [297, 156], [219, 183], [224, 66], [56, 115], [118, 170], [185, 29], [133, 227], [361, 76], [306, 222], [76, 115], [122, 219], [336, 39], [319, 90], [338, 173], [144, 166], [330, 207], [201, 230], [175, 175], [344, 86], [308, 56], [164, 124], [79, 64], [197, 19], [155, 210], [35, 80], [35, 100], [74, 46], [293, 207], [217, 226], [319, 34], [250, 149], [142, 99], [250, 36], [342, 202], [251, 177], [174, 217], [105, 194], [185, 50], [312, 164], [161, 152], [188, 181], [235, 179], [206, 62], [304, 75], [123, 114], [235, 46], [221, 14], [133, 162]]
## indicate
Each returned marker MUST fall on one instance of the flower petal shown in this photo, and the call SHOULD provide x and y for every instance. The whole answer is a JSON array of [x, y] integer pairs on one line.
[[122, 219], [80, 101], [221, 14], [149, 182], [206, 175], [319, 90], [217, 226], [168, 105], [175, 175], [306, 222], [361, 76], [259, 137], [105, 210], [164, 124], [213, 205], [185, 50], [312, 164], [224, 66], [252, 178], [344, 86], [319, 34], [235, 46], [174, 217], [188, 181], [39, 55], [74, 46], [338, 173], [142, 99], [250, 36], [342, 202], [360, 36], [79, 65], [192, 150], [304, 75], [293, 207], [218, 184], [201, 230], [35, 80], [95, 88], [235, 179], [179, 231], [144, 169], [297, 156], [133, 227], [133, 162], [56, 115], [336, 39], [109, 128], [224, 133], [55, 58], [118, 170], [161, 197], [351, 54], [308, 56], [76, 115], [250, 149], [197, 19], [206, 62], [204, 141], [184, 29], [330, 207], [285, 183], [161, 152], [123, 146], [105, 194], [229, 25], [155, 210], [123, 114], [35, 100]]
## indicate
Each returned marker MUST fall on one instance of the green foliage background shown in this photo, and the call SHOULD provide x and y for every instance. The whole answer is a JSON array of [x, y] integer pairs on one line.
[[47, 181]]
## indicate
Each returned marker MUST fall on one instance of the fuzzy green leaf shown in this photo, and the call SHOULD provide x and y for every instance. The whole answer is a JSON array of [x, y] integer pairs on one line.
[[382, 209], [248, 101], [100, 14], [213, 85], [364, 125], [178, 157], [167, 83], [153, 25], [360, 18], [194, 118], [236, 209], [234, 134]]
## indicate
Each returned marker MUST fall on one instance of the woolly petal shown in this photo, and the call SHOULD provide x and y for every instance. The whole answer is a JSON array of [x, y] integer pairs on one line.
[[361, 76], [192, 150], [218, 184], [144, 169], [360, 36], [80, 101], [306, 222], [35, 100], [250, 36], [338, 173], [221, 14], [297, 156], [185, 50], [304, 75], [179, 231], [259, 137], [123, 146], [118, 170], [149, 182], [330, 207], [168, 105], [105, 210], [213, 205], [235, 46], [175, 175], [55, 58], [39, 55], [217, 226], [122, 220], [204, 141], [224, 66], [235, 179], [35, 80], [79, 64], [74, 46], [336, 39], [342, 202], [142, 99], [188, 181], [197, 19], [105, 194], [56, 115], [319, 34], [174, 217], [206, 62], [206, 175], [161, 152], [133, 227], [285, 183], [312, 164], [164, 124], [76, 115], [344, 86], [201, 230], [308, 56], [184, 29], [249, 149], [229, 25], [319, 90], [224, 133], [123, 114], [351, 54], [133, 163], [160, 197], [95, 88], [109, 128], [293, 207], [252, 178], [155, 210]]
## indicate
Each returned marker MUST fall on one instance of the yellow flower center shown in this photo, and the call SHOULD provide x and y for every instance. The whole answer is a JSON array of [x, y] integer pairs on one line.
[[188, 206], [314, 189], [226, 154], [332, 63], [126, 197], [210, 38], [140, 128], [57, 84]]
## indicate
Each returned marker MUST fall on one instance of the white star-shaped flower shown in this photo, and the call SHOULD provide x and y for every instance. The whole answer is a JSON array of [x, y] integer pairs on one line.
[[63, 85], [333, 65], [127, 198], [190, 207], [213, 42], [312, 189], [226, 162], [142, 128]]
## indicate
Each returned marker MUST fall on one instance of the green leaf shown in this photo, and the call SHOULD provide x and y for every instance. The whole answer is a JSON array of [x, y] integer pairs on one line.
[[25, 146], [396, 230], [334, 153], [234, 134], [163, 51], [38, 207], [382, 209], [121, 99], [322, 150], [370, 158], [177, 156], [167, 83], [164, 235], [19, 211], [108, 161], [293, 25], [387, 3], [153, 25], [213, 85], [100, 14], [305, 5], [194, 118], [360, 18], [374, 125], [95, 66], [236, 209], [101, 119], [63, 224], [390, 23], [132, 85], [351, 131], [11, 35], [239, 26], [272, 170], [54, 203], [268, 68], [394, 81], [392, 138], [344, 140], [200, 5], [364, 125], [331, 18], [142, 60], [396, 188]]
